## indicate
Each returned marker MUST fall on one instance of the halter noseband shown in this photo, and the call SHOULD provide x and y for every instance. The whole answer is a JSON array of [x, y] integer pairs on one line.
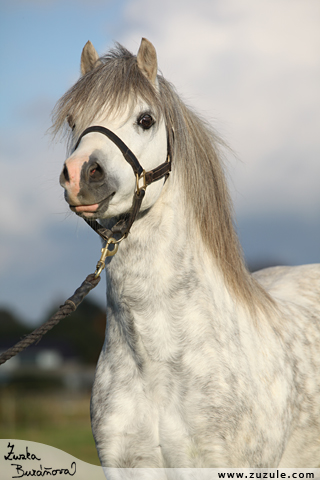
[[122, 227]]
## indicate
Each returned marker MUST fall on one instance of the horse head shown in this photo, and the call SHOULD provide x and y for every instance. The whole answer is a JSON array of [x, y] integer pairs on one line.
[[98, 180]]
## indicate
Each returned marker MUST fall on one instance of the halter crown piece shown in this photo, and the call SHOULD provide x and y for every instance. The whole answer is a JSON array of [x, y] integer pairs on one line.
[[122, 227]]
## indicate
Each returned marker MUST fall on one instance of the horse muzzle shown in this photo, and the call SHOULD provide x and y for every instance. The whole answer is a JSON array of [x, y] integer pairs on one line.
[[88, 190]]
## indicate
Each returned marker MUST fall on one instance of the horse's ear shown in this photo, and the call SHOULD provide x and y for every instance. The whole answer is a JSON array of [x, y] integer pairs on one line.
[[147, 60], [89, 58]]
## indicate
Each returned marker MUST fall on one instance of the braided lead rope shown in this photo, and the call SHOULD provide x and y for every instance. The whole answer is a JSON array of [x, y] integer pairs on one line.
[[66, 309]]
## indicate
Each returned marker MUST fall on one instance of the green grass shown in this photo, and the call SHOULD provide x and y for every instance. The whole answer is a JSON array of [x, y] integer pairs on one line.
[[76, 440], [60, 420]]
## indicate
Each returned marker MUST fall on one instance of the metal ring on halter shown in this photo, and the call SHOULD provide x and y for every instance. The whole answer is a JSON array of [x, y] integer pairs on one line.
[[105, 252], [144, 183]]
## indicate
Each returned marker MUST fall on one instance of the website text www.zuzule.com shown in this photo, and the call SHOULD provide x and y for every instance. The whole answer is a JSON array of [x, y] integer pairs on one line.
[[275, 474]]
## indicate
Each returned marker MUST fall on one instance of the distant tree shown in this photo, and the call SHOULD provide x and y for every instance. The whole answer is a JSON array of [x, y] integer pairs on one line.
[[11, 326], [82, 332]]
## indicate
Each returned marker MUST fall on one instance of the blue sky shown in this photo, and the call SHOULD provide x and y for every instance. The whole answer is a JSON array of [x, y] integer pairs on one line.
[[251, 68], [39, 39]]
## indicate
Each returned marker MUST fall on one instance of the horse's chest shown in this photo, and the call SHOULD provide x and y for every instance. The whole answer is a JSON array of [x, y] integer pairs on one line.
[[178, 413], [153, 419]]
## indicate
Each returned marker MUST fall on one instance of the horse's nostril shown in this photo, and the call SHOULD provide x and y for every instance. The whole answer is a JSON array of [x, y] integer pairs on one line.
[[64, 177], [66, 173], [95, 172]]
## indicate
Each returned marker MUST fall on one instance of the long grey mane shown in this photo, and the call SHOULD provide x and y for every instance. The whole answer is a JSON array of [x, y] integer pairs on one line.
[[109, 88]]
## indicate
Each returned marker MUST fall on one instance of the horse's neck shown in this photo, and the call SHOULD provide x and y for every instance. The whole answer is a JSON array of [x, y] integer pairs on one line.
[[162, 282]]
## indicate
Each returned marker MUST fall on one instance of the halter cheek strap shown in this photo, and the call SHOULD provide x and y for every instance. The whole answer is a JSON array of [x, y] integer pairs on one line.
[[122, 227]]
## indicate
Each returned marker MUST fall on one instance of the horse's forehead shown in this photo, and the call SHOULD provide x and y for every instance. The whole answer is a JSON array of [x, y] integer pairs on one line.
[[118, 117], [119, 122]]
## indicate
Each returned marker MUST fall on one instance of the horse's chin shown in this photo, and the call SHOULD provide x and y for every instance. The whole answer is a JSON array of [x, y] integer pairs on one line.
[[86, 209], [88, 215], [92, 211]]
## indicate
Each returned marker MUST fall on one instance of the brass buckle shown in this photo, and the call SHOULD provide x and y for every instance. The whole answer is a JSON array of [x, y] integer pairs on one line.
[[105, 252], [144, 184]]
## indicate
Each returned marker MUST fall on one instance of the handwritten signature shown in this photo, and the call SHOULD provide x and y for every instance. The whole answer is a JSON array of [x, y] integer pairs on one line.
[[35, 472]]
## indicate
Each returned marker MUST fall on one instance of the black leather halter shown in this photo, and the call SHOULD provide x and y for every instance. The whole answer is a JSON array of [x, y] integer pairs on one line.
[[122, 227]]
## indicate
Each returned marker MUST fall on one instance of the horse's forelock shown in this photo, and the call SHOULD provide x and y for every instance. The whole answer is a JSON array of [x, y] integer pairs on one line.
[[115, 84]]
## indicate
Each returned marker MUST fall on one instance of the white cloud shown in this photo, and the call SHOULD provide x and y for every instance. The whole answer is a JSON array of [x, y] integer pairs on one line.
[[29, 191], [252, 68], [30, 195]]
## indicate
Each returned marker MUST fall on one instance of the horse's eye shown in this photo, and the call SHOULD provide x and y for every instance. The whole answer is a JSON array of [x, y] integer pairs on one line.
[[146, 121]]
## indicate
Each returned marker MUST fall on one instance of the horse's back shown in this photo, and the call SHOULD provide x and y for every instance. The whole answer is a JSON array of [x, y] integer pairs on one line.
[[298, 285], [296, 292], [296, 295]]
